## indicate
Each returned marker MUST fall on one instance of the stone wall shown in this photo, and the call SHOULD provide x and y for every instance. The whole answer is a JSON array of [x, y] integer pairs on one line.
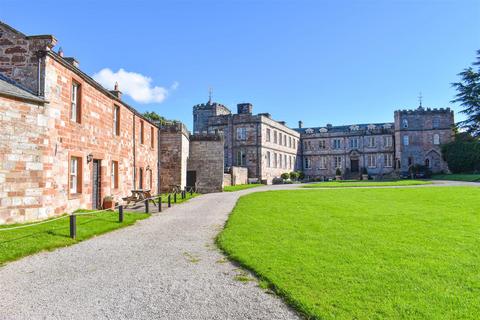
[[239, 175], [421, 126], [174, 151], [25, 161], [21, 55], [206, 159]]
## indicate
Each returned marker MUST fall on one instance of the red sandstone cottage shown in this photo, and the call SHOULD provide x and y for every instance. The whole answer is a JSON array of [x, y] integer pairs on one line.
[[65, 141]]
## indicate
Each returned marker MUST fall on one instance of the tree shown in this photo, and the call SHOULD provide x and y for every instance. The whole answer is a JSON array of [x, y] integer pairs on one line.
[[152, 115], [468, 97], [462, 154]]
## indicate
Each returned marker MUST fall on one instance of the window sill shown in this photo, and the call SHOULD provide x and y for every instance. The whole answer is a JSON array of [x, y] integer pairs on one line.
[[74, 195]]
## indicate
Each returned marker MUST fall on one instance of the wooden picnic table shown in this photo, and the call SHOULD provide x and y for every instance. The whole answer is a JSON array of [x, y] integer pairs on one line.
[[139, 195]]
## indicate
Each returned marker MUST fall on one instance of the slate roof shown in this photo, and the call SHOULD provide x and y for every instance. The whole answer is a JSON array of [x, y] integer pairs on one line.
[[9, 87], [345, 128]]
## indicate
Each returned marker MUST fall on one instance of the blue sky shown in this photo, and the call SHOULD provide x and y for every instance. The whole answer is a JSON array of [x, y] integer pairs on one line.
[[338, 62]]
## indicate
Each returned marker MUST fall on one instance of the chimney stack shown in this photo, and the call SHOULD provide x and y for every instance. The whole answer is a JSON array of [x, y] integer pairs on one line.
[[60, 52], [117, 93], [300, 124], [244, 108]]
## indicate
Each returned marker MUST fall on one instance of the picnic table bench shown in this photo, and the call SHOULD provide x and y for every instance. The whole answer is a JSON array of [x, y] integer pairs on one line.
[[137, 196]]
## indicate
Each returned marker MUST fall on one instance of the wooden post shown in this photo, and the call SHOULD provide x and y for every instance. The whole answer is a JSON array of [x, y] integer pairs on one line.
[[73, 226], [175, 197], [146, 206], [169, 200], [160, 204], [120, 214]]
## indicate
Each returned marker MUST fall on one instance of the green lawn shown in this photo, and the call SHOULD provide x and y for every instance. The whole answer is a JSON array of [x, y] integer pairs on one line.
[[15, 244], [403, 253], [241, 187], [361, 183], [458, 177]]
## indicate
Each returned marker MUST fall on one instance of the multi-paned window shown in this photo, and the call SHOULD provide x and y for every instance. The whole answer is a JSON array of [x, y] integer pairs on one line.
[[388, 160], [274, 136], [322, 144], [323, 162], [436, 122], [371, 160], [268, 159], [75, 111], [371, 142], [140, 178], [337, 143], [354, 143], [114, 174], [308, 163], [75, 175], [289, 142], [280, 162], [436, 139], [337, 162], [116, 120], [406, 141], [268, 135], [241, 158], [285, 161], [387, 141], [275, 160], [241, 134]]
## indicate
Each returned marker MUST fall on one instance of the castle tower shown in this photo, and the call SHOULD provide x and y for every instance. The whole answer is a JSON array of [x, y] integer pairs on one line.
[[419, 135], [202, 112]]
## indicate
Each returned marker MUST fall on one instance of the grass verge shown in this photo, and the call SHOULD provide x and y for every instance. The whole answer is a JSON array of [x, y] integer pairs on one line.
[[241, 187], [360, 183], [18, 243], [458, 177], [403, 253]]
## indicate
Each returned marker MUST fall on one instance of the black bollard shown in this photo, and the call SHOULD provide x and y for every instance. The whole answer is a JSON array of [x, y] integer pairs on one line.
[[120, 214], [147, 209], [73, 226], [175, 197], [169, 200], [160, 204]]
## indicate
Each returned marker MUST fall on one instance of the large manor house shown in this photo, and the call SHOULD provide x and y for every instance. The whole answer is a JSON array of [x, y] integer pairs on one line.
[[66, 142]]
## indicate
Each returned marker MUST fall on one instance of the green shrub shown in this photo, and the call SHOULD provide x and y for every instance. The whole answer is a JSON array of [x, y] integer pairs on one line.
[[301, 175], [294, 175], [338, 172], [285, 176], [462, 155]]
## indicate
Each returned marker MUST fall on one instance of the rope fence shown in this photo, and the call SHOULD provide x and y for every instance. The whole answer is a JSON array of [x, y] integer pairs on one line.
[[120, 207]]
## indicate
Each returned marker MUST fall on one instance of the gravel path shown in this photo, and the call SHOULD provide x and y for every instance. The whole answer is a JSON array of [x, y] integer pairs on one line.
[[165, 267]]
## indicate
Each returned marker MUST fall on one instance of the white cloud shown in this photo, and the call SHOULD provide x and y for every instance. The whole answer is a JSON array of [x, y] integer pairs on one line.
[[136, 85]]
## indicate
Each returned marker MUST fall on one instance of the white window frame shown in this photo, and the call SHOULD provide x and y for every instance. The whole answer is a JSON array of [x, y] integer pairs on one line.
[[372, 160], [388, 160], [241, 158], [74, 166], [406, 140], [307, 163], [241, 134], [388, 141], [322, 144], [337, 143], [74, 102], [354, 143], [436, 139], [337, 162], [323, 163], [371, 142]]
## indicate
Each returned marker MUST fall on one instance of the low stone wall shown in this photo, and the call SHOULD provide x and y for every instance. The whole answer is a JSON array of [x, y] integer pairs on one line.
[[239, 175], [227, 179]]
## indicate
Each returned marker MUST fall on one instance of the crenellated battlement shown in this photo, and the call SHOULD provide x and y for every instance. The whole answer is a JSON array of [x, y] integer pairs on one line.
[[423, 111]]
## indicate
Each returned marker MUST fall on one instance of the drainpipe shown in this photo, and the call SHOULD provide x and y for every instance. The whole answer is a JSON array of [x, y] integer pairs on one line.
[[259, 154]]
